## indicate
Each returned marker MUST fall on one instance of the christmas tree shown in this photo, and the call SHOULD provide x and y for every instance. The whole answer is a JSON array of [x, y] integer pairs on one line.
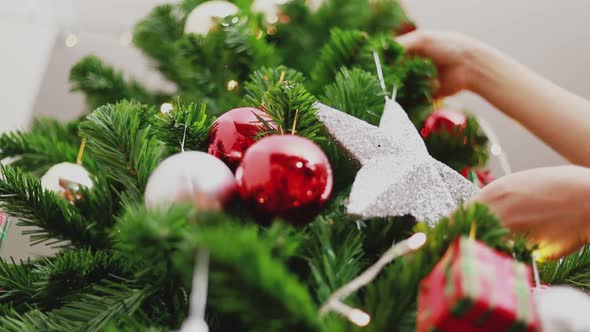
[[124, 265]]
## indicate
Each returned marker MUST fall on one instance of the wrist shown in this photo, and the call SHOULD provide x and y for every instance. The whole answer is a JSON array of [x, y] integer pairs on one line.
[[482, 64]]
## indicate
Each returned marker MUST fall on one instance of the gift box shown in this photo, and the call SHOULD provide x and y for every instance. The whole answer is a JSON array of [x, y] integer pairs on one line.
[[476, 289]]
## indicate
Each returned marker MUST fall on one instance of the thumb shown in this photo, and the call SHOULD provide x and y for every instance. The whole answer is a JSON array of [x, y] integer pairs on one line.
[[413, 42]]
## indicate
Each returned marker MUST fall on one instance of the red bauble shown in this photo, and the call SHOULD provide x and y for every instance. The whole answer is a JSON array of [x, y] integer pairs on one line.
[[406, 27], [234, 132], [285, 176], [478, 176], [444, 119]]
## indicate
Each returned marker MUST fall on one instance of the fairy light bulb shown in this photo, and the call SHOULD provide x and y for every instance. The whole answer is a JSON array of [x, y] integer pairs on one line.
[[126, 38], [416, 241], [71, 40], [166, 108], [496, 149], [232, 85], [359, 317]]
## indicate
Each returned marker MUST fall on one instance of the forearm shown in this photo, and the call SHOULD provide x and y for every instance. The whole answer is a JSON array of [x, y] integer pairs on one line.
[[558, 117]]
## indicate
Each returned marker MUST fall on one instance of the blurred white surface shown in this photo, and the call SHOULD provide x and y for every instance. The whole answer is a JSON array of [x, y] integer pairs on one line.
[[547, 35], [27, 45], [23, 60]]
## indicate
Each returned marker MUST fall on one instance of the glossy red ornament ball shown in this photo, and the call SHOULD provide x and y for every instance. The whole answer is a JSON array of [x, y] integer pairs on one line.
[[234, 132], [285, 176], [445, 119]]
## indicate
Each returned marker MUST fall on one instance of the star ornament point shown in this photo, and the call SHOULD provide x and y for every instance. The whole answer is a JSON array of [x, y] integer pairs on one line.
[[397, 176]]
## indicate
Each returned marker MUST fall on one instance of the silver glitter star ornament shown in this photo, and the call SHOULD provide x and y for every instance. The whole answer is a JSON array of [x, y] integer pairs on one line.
[[398, 176]]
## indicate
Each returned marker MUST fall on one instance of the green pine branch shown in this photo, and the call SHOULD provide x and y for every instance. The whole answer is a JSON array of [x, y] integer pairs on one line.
[[104, 302], [248, 273], [249, 51], [386, 15], [292, 109], [102, 85], [461, 147], [156, 36], [66, 276], [188, 123], [160, 234], [342, 50], [119, 139], [99, 204], [335, 255], [265, 78], [282, 303], [356, 92], [573, 270], [46, 144], [33, 321], [17, 285], [297, 40], [415, 77], [49, 216], [287, 102]]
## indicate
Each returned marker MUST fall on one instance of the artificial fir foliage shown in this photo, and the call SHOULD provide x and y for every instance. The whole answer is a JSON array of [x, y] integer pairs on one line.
[[122, 267]]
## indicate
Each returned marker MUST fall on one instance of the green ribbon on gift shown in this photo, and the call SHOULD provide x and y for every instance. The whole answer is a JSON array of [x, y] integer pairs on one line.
[[473, 272], [4, 230]]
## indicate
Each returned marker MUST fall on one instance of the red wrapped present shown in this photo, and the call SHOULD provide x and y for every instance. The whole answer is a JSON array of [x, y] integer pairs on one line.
[[476, 289]]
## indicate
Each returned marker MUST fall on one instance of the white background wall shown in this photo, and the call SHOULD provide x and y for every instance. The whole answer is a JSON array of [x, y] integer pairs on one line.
[[548, 35]]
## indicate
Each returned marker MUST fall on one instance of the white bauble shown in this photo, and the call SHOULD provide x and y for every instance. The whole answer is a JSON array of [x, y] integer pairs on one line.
[[314, 5], [205, 16], [61, 177], [563, 309], [196, 177], [271, 9]]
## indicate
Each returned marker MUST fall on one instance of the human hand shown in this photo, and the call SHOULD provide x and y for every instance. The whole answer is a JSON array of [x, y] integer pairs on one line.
[[548, 204], [453, 54]]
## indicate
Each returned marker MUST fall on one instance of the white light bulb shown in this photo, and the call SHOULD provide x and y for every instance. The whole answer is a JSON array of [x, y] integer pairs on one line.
[[166, 108], [496, 149], [416, 241], [71, 40], [126, 38], [359, 317]]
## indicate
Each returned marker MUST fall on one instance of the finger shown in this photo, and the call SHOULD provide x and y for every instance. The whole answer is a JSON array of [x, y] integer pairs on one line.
[[452, 81], [436, 88], [413, 42], [484, 196]]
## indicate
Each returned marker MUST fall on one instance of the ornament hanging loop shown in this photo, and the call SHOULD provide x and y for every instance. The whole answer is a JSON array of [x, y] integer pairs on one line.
[[183, 141], [81, 151], [382, 78], [380, 73]]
